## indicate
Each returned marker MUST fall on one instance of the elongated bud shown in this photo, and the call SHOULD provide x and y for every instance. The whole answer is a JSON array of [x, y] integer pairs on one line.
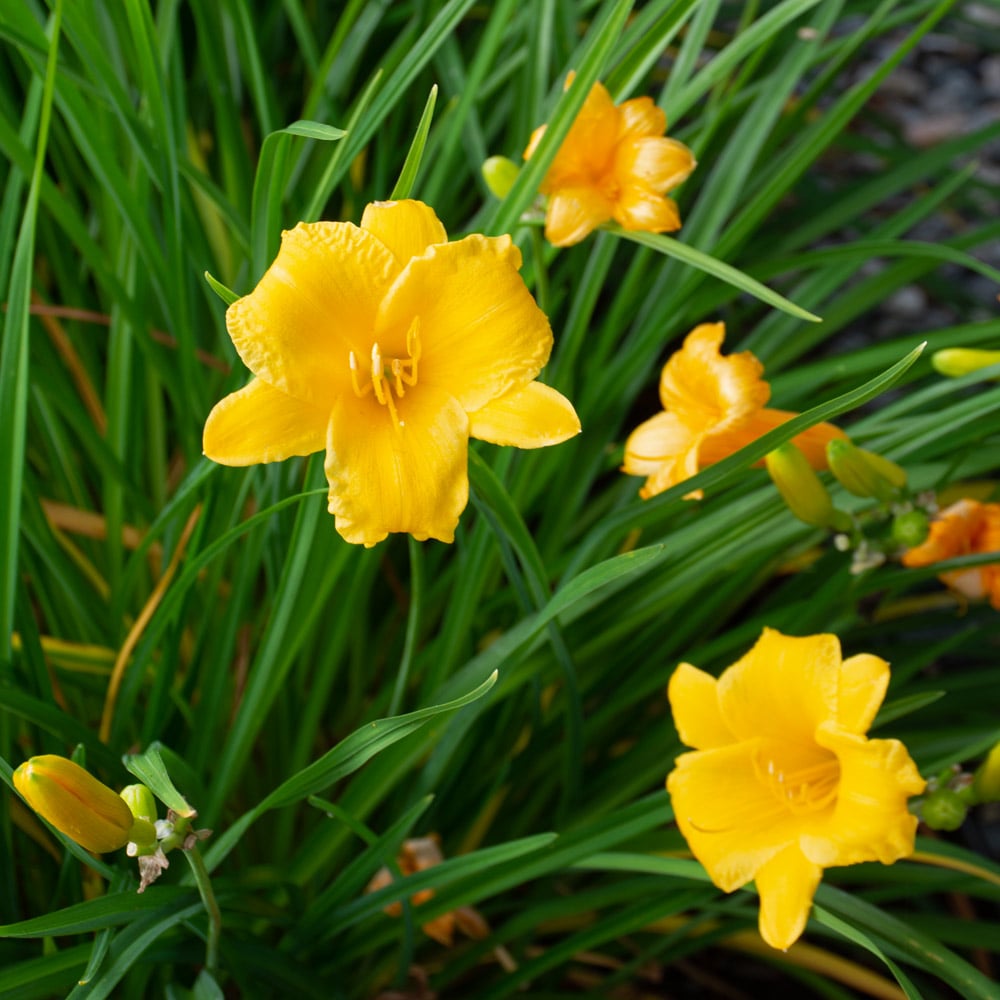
[[75, 802], [955, 361], [142, 804], [864, 473], [500, 174], [807, 498], [986, 784]]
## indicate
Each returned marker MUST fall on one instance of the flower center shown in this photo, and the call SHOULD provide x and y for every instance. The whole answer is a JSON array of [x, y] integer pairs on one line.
[[802, 782], [389, 378]]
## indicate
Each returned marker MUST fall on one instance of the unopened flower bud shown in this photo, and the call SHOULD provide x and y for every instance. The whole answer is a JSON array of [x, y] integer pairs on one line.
[[75, 802], [864, 473], [956, 361], [910, 529], [943, 809], [500, 174], [807, 498], [986, 784], [141, 802]]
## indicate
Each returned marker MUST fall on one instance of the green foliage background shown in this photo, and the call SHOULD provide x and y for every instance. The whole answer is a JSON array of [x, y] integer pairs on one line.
[[141, 146]]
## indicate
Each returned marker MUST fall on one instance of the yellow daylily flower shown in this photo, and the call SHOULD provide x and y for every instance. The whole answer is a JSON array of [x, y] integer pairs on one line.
[[389, 347], [965, 528], [77, 804], [615, 163], [713, 406], [783, 782]]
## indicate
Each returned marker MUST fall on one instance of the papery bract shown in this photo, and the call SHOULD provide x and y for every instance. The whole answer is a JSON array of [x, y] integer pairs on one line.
[[783, 782], [389, 347], [712, 407], [615, 163]]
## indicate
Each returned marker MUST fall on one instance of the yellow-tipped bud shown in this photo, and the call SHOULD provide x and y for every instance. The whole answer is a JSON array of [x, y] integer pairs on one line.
[[807, 498], [75, 803], [986, 784], [955, 361], [864, 473], [140, 801], [500, 174]]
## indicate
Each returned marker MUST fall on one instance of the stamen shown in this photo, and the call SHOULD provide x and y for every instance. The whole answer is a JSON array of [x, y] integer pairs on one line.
[[389, 377]]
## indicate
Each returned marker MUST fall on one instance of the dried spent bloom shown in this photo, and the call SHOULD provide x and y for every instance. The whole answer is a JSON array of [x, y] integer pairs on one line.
[[417, 855], [76, 803], [389, 347], [615, 163], [783, 782], [967, 527], [713, 406]]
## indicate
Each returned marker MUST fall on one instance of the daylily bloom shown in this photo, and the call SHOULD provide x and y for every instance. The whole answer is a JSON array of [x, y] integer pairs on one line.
[[389, 347], [78, 805], [965, 528], [615, 163], [783, 782], [713, 406]]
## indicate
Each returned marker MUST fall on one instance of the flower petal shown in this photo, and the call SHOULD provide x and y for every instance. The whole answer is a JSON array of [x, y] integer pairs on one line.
[[694, 700], [708, 391], [406, 227], [653, 162], [870, 821], [384, 478], [573, 213], [665, 450], [639, 209], [314, 305], [783, 689], [786, 885], [481, 333], [588, 149], [259, 423], [727, 441], [864, 680], [640, 117], [529, 417], [733, 824]]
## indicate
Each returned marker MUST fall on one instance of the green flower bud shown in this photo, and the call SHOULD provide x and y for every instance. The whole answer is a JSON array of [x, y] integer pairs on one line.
[[955, 361], [142, 804], [807, 498], [943, 810], [986, 783], [75, 802], [864, 473], [910, 529], [500, 174]]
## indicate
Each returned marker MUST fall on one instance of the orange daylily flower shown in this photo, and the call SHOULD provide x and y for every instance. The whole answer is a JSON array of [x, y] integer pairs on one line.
[[389, 347], [713, 406], [965, 528], [417, 855], [615, 163], [783, 781]]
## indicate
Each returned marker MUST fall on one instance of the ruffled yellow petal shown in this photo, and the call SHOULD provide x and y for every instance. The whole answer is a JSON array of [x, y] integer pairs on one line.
[[864, 680], [411, 478], [407, 227], [639, 209], [951, 534], [870, 821], [732, 822], [259, 423], [653, 162], [481, 332], [655, 442], [531, 416], [708, 391], [727, 441], [588, 149], [314, 305], [783, 689], [786, 885], [640, 117], [694, 701], [573, 213]]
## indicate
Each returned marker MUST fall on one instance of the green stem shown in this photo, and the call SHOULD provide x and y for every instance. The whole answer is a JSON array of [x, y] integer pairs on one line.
[[204, 884], [412, 623]]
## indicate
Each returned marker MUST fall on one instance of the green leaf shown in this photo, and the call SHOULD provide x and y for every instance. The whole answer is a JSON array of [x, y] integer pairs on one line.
[[149, 768], [408, 175], [226, 294]]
